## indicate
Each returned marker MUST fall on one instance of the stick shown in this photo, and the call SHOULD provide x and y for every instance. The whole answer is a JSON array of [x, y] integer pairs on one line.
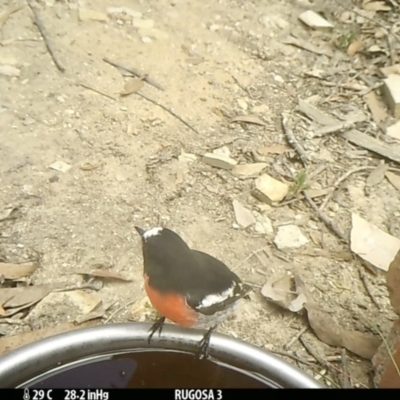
[[369, 19], [294, 357], [313, 353], [338, 182], [168, 110], [292, 141], [333, 129], [42, 30], [135, 72], [118, 310], [345, 378], [365, 282], [96, 90], [329, 224], [7, 13], [295, 338], [248, 257]]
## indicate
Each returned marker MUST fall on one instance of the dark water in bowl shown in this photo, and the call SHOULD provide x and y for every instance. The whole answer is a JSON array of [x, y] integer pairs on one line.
[[149, 369]]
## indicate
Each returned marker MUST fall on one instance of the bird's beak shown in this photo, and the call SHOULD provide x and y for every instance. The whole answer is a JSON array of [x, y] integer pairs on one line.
[[140, 231]]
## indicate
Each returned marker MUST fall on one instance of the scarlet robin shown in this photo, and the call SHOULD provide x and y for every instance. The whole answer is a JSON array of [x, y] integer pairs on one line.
[[188, 287]]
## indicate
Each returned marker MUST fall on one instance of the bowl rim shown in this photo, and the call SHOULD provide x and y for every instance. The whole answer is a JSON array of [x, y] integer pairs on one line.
[[31, 360]]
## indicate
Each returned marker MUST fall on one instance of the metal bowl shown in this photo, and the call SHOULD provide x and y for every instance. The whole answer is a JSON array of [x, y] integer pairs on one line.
[[34, 362]]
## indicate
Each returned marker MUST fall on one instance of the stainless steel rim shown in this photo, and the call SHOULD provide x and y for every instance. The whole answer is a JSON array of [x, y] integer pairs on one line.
[[33, 359]]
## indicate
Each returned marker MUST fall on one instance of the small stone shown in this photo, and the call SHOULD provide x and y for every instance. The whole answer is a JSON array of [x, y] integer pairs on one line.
[[7, 59], [243, 215], [289, 237], [60, 166], [152, 33], [143, 23], [269, 190], [314, 20], [394, 130], [146, 39], [187, 157], [261, 109], [214, 27], [223, 151], [264, 225], [28, 121], [391, 92], [242, 104], [246, 170], [9, 70], [219, 161], [86, 14], [124, 10]]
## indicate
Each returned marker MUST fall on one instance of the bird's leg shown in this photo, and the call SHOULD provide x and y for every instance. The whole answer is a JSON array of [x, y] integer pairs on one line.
[[157, 326], [204, 343]]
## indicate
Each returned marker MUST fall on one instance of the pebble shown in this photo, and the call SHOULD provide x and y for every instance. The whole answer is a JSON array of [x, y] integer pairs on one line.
[[246, 170], [124, 10], [60, 166], [269, 190], [152, 33], [9, 70], [264, 225], [314, 20], [86, 14], [243, 215], [143, 23], [219, 161], [289, 237]]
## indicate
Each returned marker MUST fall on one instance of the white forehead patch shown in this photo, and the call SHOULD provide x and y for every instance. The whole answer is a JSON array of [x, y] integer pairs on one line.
[[152, 232], [217, 298]]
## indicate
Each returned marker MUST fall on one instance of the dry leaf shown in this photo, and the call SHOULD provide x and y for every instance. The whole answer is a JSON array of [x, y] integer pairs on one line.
[[377, 175], [27, 295], [316, 115], [88, 167], [318, 192], [132, 86], [372, 244], [377, 6], [244, 217], [330, 332], [277, 290], [378, 112], [250, 119], [104, 273], [303, 295], [393, 283], [394, 179], [8, 213], [392, 69], [16, 271], [275, 149], [9, 343], [354, 47]]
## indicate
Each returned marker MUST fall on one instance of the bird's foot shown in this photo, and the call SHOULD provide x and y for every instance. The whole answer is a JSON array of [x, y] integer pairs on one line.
[[157, 326], [202, 352]]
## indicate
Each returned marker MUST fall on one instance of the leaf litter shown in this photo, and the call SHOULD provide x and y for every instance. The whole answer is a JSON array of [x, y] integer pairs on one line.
[[106, 274], [16, 271]]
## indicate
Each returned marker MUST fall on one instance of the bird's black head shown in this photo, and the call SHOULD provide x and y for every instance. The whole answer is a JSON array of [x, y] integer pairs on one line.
[[161, 248]]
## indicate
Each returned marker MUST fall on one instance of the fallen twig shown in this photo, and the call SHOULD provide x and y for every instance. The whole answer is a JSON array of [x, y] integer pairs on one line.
[[338, 182], [292, 140], [329, 224], [295, 338], [168, 110], [343, 178], [375, 21], [314, 353], [7, 13], [135, 72], [42, 30], [96, 90], [365, 282], [118, 310], [248, 257], [333, 129], [345, 378], [293, 356]]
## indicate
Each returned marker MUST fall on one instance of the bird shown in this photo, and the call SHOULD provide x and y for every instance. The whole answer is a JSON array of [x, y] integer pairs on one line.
[[188, 287]]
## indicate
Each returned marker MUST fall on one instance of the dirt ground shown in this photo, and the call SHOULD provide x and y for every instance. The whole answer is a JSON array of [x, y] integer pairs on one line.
[[215, 60]]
